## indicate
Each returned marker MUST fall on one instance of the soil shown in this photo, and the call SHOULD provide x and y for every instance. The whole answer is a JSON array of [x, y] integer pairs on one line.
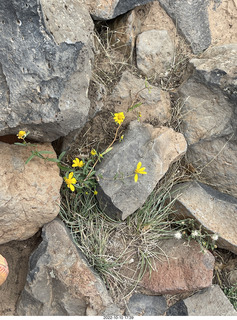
[[17, 254]]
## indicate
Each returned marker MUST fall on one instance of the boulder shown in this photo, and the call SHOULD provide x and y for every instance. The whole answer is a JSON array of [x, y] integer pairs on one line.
[[157, 148], [154, 52], [191, 18], [59, 281], [215, 211], [155, 103], [185, 268], [110, 9], [208, 302], [29, 193], [45, 56], [209, 116], [143, 305]]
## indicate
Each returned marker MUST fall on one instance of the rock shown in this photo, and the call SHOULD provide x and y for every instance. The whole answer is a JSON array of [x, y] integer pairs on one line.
[[155, 103], [110, 9], [60, 282], [209, 117], [209, 302], [154, 52], [215, 211], [232, 278], [45, 90], [156, 148], [125, 30], [29, 194], [143, 305], [184, 269], [191, 18], [178, 309]]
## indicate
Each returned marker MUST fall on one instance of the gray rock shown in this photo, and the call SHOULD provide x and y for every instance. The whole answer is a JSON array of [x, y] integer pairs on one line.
[[178, 309], [109, 9], [154, 52], [209, 116], [215, 211], [44, 67], [156, 148], [191, 18], [143, 305], [59, 280], [210, 302]]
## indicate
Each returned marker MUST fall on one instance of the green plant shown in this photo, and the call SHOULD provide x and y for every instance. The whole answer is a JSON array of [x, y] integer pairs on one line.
[[231, 294]]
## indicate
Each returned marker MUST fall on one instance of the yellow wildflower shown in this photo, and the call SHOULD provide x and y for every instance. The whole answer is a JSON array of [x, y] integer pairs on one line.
[[78, 163], [139, 170], [21, 135], [70, 181], [93, 152], [95, 192], [119, 117]]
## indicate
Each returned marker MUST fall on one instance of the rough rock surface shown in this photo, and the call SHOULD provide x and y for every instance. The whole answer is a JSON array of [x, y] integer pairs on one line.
[[44, 67], [155, 107], [184, 269], [154, 52], [59, 281], [210, 302], [215, 211], [29, 193], [191, 18], [156, 148], [209, 116], [143, 305], [109, 9]]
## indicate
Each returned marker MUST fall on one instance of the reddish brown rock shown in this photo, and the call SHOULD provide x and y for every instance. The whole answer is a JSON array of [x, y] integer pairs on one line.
[[185, 269], [29, 193]]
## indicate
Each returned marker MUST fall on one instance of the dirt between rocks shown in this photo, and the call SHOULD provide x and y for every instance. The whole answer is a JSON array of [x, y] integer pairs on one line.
[[17, 254]]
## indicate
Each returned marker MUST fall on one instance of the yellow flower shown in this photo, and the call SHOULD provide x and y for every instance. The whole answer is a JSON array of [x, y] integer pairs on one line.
[[70, 181], [139, 170], [93, 152], [78, 163], [119, 117], [95, 192], [21, 135]]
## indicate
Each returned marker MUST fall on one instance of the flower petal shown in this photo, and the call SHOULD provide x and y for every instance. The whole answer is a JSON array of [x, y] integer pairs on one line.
[[72, 187], [136, 177], [143, 172], [139, 165], [70, 175]]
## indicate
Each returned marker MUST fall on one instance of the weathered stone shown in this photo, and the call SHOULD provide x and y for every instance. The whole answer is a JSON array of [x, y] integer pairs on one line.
[[156, 148], [215, 211], [209, 116], [184, 269], [191, 18], [29, 193], [109, 9], [178, 309], [143, 305], [59, 281], [155, 103], [45, 54], [210, 302], [154, 52], [125, 30]]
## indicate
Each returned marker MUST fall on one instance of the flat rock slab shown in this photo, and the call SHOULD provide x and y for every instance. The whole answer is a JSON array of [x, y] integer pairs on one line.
[[143, 305], [191, 18], [184, 269], [215, 211], [59, 280], [208, 302], [45, 54], [157, 148], [29, 193]]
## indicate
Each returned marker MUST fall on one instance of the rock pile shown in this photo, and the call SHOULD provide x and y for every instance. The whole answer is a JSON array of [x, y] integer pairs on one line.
[[46, 57]]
